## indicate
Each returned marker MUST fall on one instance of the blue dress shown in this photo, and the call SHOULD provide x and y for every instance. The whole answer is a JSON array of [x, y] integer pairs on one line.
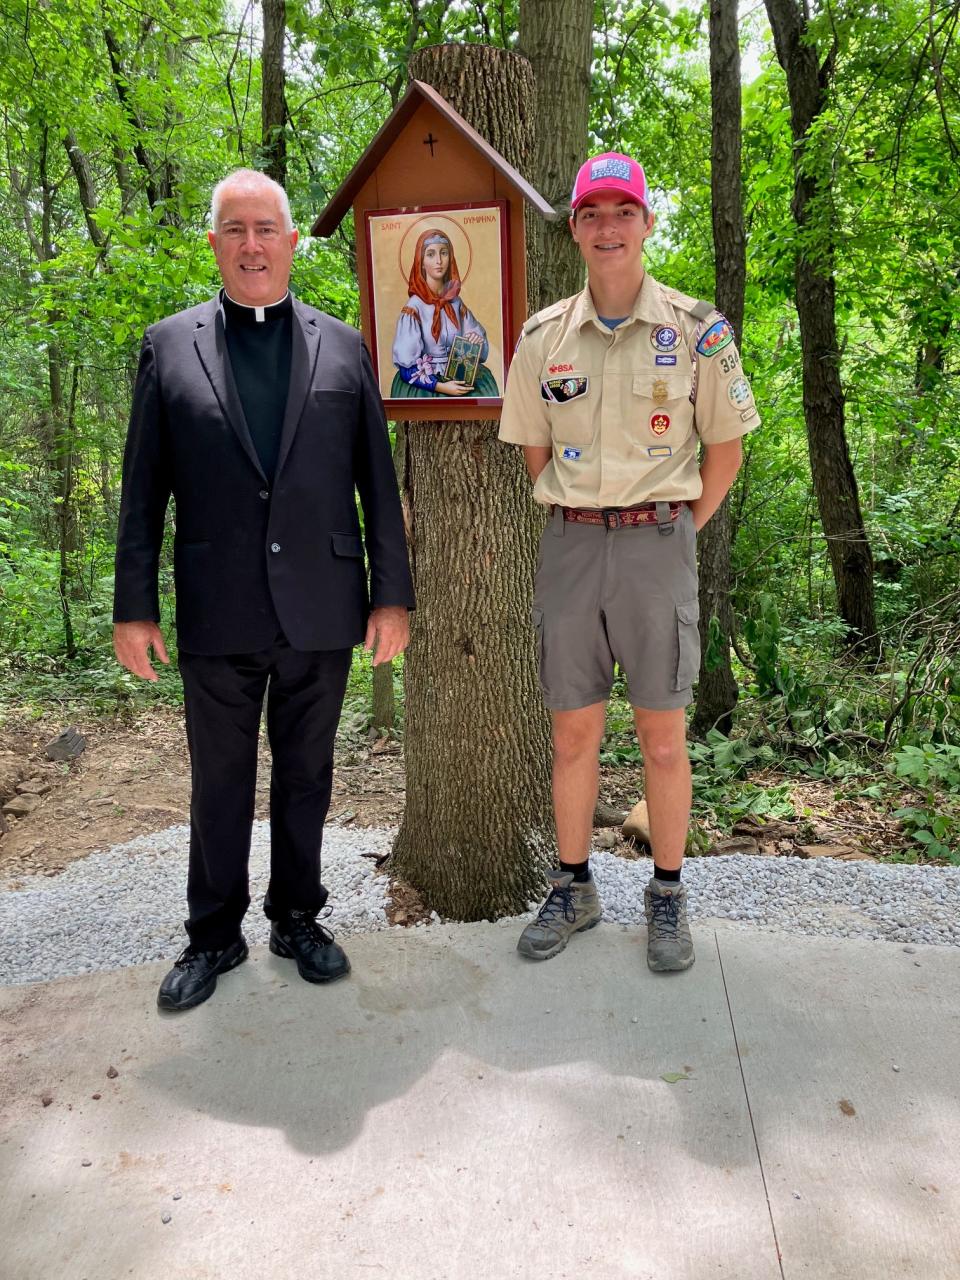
[[421, 360]]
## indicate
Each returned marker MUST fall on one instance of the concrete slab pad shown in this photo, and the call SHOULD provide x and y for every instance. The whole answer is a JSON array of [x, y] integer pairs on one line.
[[450, 1110], [851, 1055]]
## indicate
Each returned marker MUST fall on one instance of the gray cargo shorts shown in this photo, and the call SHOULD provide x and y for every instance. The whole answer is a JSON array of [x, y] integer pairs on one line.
[[626, 596]]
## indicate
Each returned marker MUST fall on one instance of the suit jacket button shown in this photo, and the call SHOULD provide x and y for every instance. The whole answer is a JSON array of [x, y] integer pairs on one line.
[[274, 547], [264, 494]]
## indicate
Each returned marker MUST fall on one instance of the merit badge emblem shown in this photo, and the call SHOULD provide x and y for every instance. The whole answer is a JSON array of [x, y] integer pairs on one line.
[[659, 423], [570, 453], [660, 391], [660, 451], [563, 390], [718, 336], [665, 360], [739, 393], [665, 337]]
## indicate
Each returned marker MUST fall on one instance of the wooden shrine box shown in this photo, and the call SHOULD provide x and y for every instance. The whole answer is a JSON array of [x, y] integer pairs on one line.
[[450, 313]]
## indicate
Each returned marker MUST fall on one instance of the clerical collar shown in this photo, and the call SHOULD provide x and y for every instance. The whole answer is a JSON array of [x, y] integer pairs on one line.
[[240, 313]]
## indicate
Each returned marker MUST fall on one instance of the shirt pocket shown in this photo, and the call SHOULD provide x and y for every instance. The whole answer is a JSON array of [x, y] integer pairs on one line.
[[662, 411], [571, 423]]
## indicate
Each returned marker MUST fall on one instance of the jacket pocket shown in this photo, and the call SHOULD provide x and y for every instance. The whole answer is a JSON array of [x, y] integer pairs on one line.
[[688, 644], [347, 544]]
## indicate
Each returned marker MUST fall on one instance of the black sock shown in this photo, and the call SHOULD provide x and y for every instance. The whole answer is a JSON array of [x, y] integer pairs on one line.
[[581, 870], [668, 877]]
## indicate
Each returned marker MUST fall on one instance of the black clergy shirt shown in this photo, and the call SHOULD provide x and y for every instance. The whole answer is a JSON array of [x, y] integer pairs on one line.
[[259, 343]]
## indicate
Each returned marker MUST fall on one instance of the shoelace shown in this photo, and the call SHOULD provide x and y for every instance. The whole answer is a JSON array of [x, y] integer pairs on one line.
[[560, 900], [666, 910], [189, 956], [307, 926]]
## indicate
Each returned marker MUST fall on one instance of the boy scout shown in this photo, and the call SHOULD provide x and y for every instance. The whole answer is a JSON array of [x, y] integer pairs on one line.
[[610, 394]]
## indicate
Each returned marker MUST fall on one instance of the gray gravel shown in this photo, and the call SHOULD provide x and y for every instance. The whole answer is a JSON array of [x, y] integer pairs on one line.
[[125, 906]]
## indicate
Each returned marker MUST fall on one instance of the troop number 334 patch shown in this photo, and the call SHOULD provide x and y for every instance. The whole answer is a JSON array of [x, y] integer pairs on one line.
[[562, 390]]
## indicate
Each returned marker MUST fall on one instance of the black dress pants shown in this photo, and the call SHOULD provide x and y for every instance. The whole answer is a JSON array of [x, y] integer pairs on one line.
[[223, 700]]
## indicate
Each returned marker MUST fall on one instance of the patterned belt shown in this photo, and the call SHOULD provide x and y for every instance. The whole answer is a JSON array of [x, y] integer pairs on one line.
[[619, 517]]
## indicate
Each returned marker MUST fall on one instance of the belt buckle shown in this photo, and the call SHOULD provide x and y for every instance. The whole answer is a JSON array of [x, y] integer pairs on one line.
[[611, 517]]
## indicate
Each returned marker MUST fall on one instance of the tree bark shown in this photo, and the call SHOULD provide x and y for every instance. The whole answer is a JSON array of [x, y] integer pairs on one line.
[[273, 106], [383, 709], [717, 689], [557, 38], [834, 481], [478, 821]]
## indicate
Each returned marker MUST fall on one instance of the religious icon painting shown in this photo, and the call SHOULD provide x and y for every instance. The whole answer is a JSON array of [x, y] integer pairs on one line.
[[439, 298]]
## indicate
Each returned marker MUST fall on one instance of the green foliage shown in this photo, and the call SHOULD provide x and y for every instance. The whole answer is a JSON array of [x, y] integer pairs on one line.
[[934, 770], [173, 103]]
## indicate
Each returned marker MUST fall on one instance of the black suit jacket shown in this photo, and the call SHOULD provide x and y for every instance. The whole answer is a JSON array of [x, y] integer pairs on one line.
[[247, 554]]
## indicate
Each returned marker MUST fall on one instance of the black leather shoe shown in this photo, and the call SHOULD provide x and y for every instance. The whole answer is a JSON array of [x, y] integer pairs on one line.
[[193, 977], [297, 936]]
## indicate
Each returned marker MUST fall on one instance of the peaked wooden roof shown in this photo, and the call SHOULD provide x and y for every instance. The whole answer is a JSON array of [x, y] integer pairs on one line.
[[417, 92]]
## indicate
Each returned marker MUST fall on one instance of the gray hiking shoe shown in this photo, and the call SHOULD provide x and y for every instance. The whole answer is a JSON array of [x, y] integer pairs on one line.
[[569, 908], [669, 945]]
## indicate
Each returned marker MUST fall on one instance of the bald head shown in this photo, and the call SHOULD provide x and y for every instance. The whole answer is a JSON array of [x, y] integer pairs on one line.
[[249, 182]]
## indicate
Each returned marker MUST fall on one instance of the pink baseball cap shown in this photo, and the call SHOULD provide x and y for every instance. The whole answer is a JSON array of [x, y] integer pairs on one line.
[[610, 173]]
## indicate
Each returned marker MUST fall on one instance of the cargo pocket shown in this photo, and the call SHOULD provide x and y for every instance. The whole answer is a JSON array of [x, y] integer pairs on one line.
[[688, 648]]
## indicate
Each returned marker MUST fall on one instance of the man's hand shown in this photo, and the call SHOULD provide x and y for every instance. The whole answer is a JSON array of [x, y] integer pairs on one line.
[[388, 632], [132, 642]]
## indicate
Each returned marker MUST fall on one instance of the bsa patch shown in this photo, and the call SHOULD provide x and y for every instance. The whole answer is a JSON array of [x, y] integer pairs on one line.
[[660, 451], [563, 390], [665, 337], [739, 392], [571, 454], [666, 360], [659, 423], [718, 336]]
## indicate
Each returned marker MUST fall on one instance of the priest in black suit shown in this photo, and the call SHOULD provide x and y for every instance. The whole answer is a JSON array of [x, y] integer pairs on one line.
[[262, 418]]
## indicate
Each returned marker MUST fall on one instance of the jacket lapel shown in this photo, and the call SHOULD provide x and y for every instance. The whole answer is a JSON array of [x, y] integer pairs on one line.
[[211, 344], [303, 359]]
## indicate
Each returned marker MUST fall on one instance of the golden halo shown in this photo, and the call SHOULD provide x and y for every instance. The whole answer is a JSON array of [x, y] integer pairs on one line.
[[462, 248]]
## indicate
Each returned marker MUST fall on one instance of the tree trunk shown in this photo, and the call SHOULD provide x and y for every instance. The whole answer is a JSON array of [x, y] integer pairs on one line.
[[383, 705], [383, 709], [478, 821], [273, 108], [557, 37], [834, 482], [717, 689]]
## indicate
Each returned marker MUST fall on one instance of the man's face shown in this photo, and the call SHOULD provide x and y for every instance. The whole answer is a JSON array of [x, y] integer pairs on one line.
[[610, 231], [253, 250]]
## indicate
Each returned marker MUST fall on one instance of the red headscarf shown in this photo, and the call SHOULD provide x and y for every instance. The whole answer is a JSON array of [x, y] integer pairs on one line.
[[417, 284]]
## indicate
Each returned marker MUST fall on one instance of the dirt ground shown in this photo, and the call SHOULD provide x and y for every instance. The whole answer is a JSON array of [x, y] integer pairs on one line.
[[133, 779]]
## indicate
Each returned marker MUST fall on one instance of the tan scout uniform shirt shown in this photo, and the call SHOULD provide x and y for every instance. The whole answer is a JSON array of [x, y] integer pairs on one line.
[[623, 409]]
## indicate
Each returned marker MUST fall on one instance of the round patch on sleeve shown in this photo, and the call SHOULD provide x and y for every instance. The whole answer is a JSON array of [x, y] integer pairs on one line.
[[739, 392]]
